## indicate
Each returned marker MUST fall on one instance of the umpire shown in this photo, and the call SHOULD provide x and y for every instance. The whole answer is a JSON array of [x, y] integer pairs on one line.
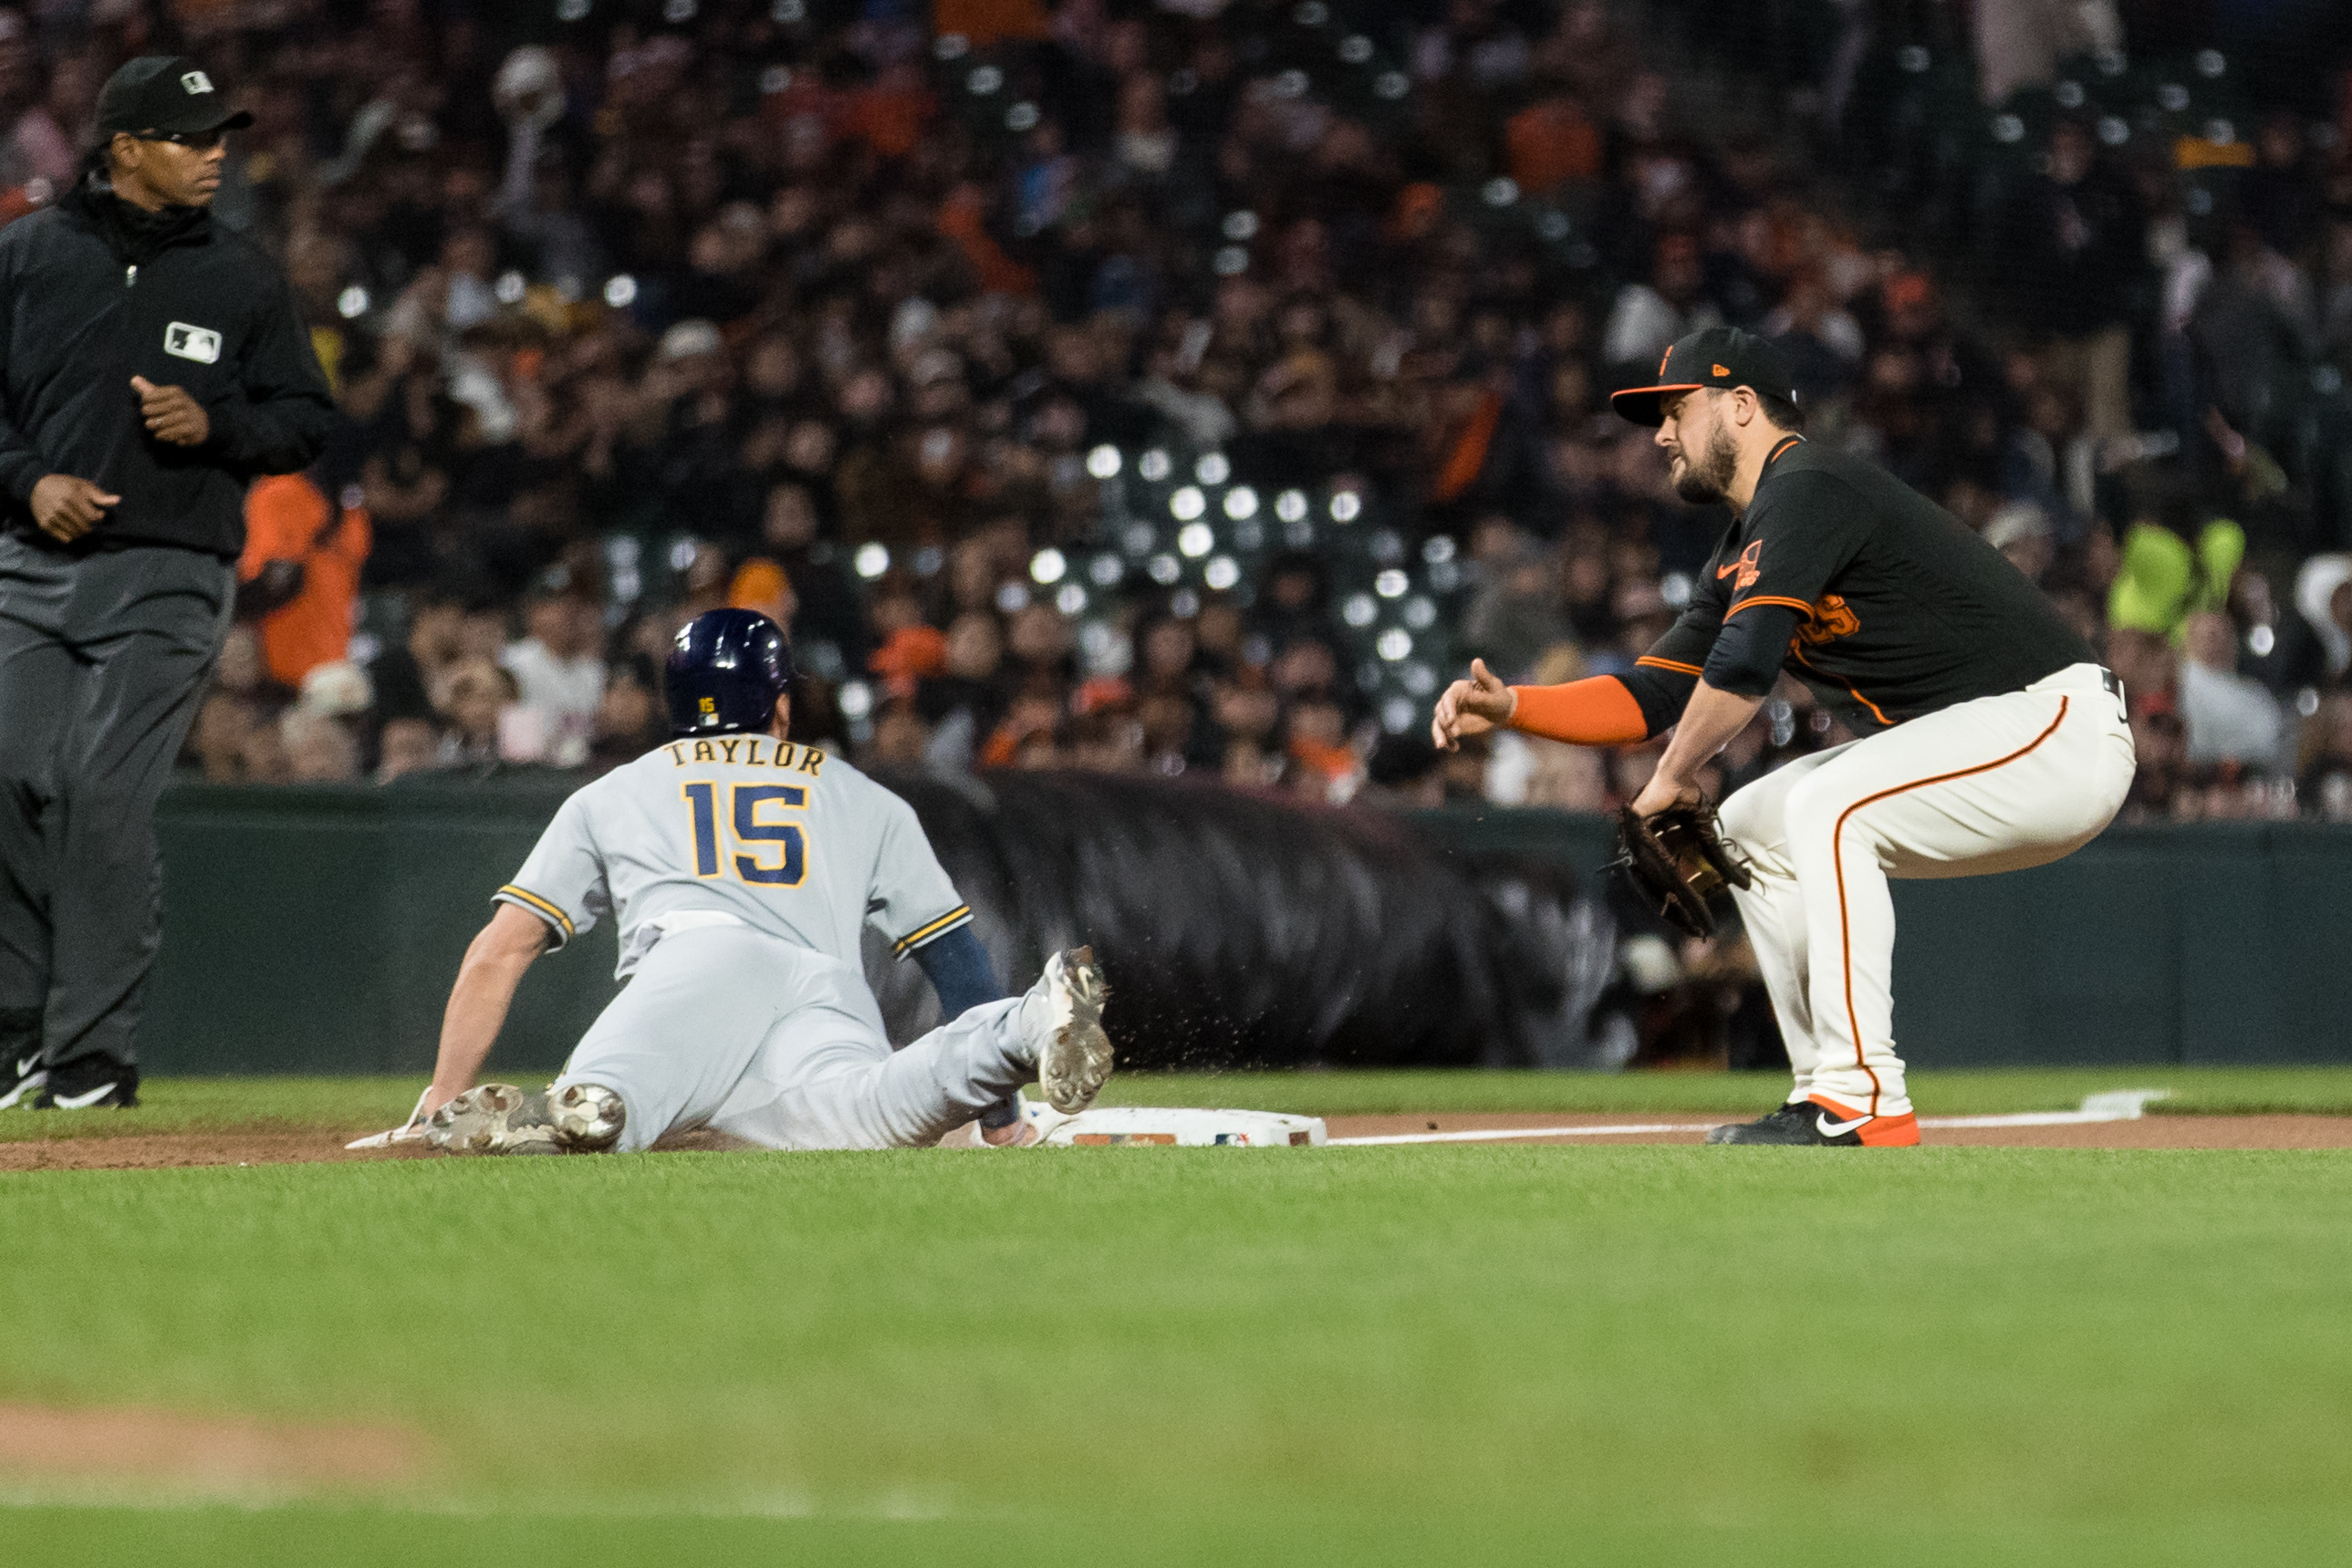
[[151, 365]]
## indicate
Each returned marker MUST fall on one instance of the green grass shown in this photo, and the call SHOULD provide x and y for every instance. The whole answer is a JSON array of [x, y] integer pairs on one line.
[[233, 1105], [1474, 1354], [358, 1105]]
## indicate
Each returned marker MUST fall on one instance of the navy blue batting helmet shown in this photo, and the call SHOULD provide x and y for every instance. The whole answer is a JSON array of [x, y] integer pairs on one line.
[[726, 668]]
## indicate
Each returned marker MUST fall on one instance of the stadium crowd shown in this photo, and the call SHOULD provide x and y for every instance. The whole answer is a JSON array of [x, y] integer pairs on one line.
[[827, 309]]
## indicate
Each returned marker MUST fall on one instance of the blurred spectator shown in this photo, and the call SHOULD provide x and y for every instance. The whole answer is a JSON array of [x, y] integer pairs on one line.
[[476, 700], [630, 717], [559, 677], [407, 746], [965, 700], [2229, 718], [2021, 531], [2324, 777], [1648, 317], [33, 146], [318, 749], [218, 742], [1405, 773], [2074, 238], [300, 576], [1517, 611], [2323, 593], [2019, 42], [2162, 579]]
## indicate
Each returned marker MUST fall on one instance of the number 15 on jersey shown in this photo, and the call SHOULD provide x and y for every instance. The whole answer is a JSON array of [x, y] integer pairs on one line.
[[755, 838]]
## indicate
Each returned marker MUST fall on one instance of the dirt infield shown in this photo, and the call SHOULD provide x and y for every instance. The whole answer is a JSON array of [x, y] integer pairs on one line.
[[2145, 1133], [209, 1455], [171, 1151]]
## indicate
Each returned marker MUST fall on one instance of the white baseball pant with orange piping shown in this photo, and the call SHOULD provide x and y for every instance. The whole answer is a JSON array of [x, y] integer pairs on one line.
[[1998, 784]]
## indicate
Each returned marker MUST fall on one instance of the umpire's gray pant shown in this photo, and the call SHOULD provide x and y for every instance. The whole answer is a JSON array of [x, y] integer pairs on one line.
[[104, 659]]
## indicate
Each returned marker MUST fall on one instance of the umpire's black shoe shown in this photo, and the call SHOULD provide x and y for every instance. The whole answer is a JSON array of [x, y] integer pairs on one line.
[[22, 1071], [87, 1082], [22, 1075]]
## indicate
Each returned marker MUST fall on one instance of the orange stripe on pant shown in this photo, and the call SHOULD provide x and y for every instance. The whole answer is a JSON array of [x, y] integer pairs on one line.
[[1837, 861]]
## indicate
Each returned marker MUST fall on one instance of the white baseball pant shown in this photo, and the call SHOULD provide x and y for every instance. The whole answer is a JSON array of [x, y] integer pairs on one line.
[[1998, 784], [761, 1040]]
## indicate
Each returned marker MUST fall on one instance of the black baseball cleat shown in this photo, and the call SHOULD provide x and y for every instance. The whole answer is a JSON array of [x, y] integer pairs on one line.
[[22, 1075], [88, 1081], [22, 1071], [1782, 1124], [1812, 1123]]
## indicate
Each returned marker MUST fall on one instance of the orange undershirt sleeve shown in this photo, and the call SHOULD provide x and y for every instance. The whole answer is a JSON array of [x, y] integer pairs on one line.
[[1595, 712]]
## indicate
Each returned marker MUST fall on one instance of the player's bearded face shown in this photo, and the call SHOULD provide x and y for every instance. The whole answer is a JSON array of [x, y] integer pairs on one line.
[[1703, 468]]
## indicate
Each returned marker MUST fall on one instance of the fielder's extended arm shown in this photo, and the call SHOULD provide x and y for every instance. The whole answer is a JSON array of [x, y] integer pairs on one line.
[[1666, 687], [493, 967]]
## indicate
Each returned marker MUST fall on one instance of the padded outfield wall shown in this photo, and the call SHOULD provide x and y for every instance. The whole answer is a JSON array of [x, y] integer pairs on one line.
[[317, 929]]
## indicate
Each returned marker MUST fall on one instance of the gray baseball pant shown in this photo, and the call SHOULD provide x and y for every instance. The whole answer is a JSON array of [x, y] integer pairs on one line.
[[724, 1028], [103, 660]]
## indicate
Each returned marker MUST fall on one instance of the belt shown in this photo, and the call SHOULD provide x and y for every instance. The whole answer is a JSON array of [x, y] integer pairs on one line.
[[2113, 682]]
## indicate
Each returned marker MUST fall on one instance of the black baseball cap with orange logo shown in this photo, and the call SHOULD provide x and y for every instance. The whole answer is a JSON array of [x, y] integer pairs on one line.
[[1720, 358]]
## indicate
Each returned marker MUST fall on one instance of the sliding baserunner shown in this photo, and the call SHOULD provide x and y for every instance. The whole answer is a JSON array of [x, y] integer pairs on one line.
[[1991, 740], [741, 867]]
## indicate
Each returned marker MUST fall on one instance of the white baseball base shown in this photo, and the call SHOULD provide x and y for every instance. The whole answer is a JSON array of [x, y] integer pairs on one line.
[[1183, 1127]]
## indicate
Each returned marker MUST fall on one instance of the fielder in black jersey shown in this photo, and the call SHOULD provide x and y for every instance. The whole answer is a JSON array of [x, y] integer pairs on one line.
[[1885, 603], [1991, 741]]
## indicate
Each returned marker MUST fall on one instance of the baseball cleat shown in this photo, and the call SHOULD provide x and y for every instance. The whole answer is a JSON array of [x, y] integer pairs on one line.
[[588, 1117], [1063, 1018], [1766, 1128], [21, 1077], [23, 1073], [87, 1083], [493, 1119], [1819, 1124], [501, 1119]]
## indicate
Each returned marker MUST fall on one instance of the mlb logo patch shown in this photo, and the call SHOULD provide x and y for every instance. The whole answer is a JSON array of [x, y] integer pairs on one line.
[[201, 344], [197, 82]]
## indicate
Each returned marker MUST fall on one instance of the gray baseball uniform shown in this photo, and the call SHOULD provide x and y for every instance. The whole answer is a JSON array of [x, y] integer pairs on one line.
[[740, 871]]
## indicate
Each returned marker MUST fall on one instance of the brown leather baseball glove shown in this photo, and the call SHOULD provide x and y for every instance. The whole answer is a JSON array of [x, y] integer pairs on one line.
[[1678, 861]]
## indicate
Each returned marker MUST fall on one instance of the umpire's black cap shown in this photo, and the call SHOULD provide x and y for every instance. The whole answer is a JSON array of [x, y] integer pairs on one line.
[[1721, 357], [167, 94]]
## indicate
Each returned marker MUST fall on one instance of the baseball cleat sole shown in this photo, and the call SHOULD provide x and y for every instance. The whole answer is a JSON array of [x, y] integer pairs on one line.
[[1075, 1058], [493, 1119], [501, 1119], [588, 1117]]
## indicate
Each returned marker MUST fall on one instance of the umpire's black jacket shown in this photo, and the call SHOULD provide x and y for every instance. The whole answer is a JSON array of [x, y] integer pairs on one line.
[[94, 292]]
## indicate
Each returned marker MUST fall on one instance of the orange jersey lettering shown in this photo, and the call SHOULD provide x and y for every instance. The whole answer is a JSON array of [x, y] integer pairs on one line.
[[1746, 565]]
